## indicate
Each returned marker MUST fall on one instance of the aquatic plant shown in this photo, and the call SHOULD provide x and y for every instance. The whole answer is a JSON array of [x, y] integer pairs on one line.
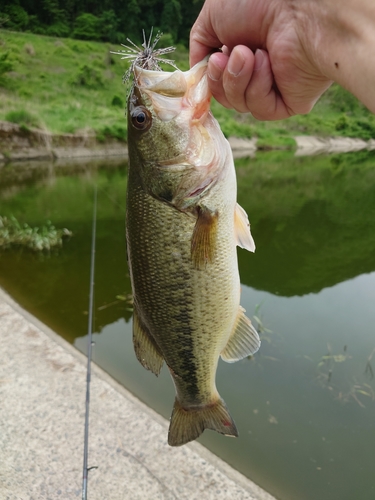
[[345, 389], [46, 237], [127, 298]]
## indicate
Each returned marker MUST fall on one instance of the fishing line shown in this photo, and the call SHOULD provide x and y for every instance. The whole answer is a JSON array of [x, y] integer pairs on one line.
[[89, 351]]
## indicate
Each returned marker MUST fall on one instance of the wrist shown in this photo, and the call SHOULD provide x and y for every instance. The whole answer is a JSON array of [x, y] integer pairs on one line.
[[339, 38]]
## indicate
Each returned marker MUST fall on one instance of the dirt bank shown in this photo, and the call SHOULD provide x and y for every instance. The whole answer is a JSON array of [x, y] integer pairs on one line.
[[20, 143]]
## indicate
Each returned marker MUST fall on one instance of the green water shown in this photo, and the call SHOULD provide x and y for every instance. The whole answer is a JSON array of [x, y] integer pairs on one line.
[[305, 404]]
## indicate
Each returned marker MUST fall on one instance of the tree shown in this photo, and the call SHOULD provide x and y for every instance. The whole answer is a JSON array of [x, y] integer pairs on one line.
[[171, 18], [111, 20], [87, 27], [108, 22]]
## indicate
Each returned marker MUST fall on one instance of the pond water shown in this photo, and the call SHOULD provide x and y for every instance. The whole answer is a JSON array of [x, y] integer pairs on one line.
[[305, 404]]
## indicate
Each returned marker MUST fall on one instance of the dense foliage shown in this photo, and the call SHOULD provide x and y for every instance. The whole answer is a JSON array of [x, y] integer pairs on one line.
[[110, 21]]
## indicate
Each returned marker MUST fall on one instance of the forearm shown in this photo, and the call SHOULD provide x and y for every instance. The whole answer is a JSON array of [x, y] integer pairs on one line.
[[339, 37]]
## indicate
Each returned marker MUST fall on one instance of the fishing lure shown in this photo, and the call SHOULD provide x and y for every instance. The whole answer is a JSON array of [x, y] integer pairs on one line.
[[146, 56]]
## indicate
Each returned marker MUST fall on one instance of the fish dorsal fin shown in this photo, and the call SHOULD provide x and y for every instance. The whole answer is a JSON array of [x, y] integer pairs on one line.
[[203, 242], [146, 350], [242, 229], [244, 340]]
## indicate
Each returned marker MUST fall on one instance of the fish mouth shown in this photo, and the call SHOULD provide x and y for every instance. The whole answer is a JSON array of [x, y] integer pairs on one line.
[[171, 84], [173, 93]]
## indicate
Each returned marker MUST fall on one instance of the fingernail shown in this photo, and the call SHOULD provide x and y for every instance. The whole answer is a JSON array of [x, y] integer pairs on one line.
[[259, 58], [236, 63], [214, 72]]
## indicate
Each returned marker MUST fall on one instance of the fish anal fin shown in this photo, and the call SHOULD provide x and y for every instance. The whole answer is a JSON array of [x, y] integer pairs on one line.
[[146, 350], [203, 242], [242, 229], [188, 424], [244, 340]]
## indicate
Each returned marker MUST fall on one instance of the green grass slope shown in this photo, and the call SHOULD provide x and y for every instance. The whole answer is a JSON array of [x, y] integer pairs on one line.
[[66, 85]]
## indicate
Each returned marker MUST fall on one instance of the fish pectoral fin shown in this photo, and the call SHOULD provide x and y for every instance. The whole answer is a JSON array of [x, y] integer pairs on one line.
[[145, 347], [244, 340], [203, 242], [188, 423], [242, 229]]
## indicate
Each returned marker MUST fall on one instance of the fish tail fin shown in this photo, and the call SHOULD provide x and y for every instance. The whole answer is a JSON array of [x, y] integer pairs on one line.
[[188, 423]]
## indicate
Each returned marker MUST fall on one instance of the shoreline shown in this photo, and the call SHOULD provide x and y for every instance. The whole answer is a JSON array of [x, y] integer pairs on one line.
[[18, 143], [42, 414]]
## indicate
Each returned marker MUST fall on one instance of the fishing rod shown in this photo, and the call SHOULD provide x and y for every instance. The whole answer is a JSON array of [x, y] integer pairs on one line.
[[89, 352]]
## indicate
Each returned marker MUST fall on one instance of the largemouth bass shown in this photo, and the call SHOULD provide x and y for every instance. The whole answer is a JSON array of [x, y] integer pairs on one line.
[[182, 227]]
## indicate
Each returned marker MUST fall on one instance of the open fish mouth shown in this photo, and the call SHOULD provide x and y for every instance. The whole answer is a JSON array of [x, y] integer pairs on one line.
[[170, 94]]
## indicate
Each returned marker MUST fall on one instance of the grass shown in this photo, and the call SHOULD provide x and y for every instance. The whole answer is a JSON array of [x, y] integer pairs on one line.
[[66, 85]]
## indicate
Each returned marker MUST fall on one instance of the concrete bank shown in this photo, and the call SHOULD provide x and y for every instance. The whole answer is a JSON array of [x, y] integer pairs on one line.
[[42, 394], [311, 145]]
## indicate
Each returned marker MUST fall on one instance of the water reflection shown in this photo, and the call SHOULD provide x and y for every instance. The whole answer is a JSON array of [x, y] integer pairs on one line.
[[305, 404], [313, 220]]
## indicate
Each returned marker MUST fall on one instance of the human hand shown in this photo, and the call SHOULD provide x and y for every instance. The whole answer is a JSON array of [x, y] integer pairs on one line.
[[264, 68]]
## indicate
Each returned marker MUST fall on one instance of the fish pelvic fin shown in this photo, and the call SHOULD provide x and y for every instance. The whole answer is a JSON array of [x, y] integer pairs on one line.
[[145, 347], [203, 242], [242, 229], [244, 340], [188, 424]]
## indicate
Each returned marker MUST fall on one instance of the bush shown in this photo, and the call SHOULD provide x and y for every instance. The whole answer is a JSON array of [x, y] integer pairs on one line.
[[363, 128], [117, 101], [115, 131], [230, 127], [59, 29], [23, 118], [343, 101], [89, 77], [5, 66], [12, 233], [342, 123]]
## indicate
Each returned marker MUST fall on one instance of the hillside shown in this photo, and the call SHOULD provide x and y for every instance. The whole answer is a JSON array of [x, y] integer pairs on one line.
[[65, 85]]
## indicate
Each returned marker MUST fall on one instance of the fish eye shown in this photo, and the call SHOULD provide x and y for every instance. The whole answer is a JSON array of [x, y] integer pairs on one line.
[[141, 118]]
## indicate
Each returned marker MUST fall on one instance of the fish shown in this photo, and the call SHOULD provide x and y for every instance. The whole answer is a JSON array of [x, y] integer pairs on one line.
[[183, 224]]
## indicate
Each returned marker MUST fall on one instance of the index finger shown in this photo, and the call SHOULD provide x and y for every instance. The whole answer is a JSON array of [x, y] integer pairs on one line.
[[202, 39]]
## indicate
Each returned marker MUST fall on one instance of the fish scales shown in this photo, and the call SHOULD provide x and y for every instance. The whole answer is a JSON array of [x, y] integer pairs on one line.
[[182, 250], [178, 300]]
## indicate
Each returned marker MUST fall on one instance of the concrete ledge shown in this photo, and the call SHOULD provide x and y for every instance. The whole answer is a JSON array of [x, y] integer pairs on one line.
[[310, 145], [42, 391]]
